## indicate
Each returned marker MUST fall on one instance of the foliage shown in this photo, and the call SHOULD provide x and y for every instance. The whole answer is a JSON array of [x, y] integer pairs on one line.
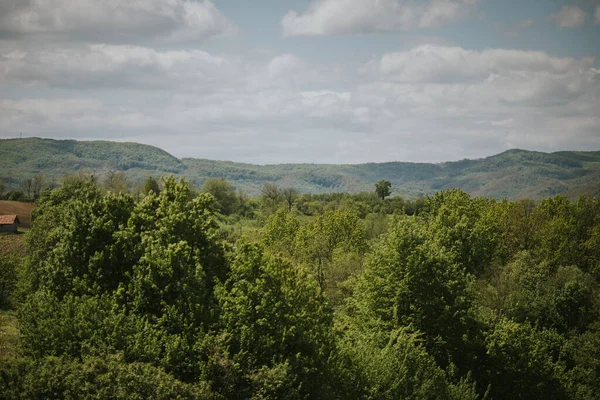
[[382, 188], [527, 358], [225, 196], [313, 296], [393, 365], [9, 270], [143, 285], [93, 378], [514, 174], [315, 243], [410, 280], [275, 326], [151, 185]]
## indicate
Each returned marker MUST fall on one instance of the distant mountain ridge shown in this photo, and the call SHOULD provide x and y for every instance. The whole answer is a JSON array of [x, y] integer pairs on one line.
[[512, 174]]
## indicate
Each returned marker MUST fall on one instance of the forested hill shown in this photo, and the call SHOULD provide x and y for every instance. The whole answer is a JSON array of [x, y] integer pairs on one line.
[[513, 174]]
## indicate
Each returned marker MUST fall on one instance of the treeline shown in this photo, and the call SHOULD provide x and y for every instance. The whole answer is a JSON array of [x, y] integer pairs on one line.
[[316, 296]]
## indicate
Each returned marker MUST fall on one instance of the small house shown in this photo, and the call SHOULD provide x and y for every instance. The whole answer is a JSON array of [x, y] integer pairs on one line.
[[9, 223]]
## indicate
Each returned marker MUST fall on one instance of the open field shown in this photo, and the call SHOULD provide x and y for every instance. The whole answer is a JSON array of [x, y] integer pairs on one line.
[[12, 243], [23, 211]]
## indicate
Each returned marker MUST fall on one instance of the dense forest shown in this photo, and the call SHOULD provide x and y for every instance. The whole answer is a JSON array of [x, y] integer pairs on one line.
[[513, 174], [206, 293]]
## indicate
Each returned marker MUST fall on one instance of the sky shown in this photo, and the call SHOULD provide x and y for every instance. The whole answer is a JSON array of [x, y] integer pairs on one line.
[[313, 81]]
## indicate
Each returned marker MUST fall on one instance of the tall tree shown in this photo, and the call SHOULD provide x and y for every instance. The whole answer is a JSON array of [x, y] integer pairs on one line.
[[221, 190], [289, 195], [38, 182], [270, 193], [382, 188], [411, 280], [151, 185], [111, 275], [27, 185], [116, 182], [275, 321]]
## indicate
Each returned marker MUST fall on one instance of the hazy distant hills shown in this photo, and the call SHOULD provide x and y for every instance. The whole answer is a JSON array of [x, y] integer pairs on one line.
[[513, 174]]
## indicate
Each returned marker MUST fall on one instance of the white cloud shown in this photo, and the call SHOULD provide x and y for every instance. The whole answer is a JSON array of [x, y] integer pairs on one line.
[[284, 65], [333, 17], [433, 63], [597, 15], [428, 103], [115, 21], [513, 98], [569, 17], [101, 65]]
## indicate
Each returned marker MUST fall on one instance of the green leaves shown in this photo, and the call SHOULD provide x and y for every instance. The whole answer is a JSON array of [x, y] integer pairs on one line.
[[470, 297], [275, 322], [111, 275], [382, 188], [410, 280], [107, 377]]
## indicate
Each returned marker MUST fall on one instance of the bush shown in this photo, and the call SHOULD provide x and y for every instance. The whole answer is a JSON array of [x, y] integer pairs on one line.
[[107, 377]]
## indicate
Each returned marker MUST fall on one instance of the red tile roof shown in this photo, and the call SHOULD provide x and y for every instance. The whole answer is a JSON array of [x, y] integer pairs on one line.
[[8, 219]]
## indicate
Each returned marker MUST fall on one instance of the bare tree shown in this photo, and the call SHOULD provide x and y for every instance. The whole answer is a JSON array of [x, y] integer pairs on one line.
[[38, 182], [115, 181], [270, 192], [28, 187], [289, 195]]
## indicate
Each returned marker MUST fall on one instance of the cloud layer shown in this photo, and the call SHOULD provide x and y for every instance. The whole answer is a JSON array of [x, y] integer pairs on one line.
[[143, 71], [339, 17], [114, 21], [423, 104]]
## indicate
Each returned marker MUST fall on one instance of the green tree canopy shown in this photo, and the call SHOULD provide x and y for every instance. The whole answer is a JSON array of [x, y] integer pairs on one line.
[[225, 196], [382, 188]]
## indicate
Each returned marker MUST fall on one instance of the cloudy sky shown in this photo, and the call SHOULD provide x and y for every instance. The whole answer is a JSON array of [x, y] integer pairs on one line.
[[327, 81]]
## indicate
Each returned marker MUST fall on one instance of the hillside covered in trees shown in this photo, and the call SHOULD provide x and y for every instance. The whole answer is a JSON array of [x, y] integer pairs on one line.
[[198, 294], [513, 174]]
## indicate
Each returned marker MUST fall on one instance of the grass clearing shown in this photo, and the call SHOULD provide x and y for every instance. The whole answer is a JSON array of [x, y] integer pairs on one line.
[[9, 334], [12, 243]]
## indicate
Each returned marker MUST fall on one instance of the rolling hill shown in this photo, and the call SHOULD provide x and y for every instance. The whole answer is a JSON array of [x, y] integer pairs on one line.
[[513, 174]]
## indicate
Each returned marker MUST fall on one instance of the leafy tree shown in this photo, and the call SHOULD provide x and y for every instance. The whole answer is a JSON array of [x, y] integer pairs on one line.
[[245, 206], [2, 189], [316, 242], [382, 188], [92, 378], [569, 233], [395, 365], [524, 362], [582, 353], [151, 185], [225, 196], [110, 275], [275, 323], [456, 222], [280, 231], [411, 281]]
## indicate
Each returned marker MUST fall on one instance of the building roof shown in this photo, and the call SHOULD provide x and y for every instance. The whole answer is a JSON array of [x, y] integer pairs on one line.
[[9, 219]]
